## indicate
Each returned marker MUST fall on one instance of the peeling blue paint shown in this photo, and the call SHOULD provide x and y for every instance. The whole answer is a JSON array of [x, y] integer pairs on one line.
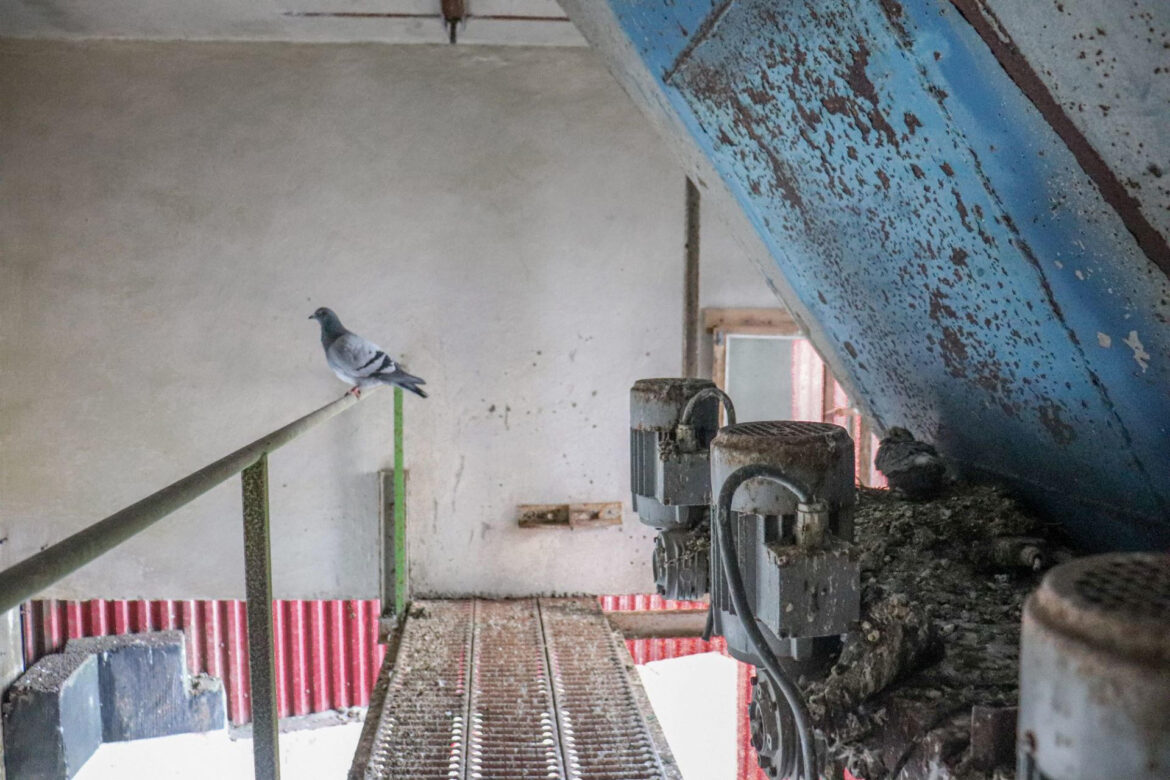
[[958, 259]]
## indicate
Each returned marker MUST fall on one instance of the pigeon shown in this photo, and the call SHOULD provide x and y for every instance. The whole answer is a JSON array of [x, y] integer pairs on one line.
[[359, 362], [910, 466]]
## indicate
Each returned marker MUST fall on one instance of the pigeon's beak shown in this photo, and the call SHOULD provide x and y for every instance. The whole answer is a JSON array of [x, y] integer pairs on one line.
[[312, 316]]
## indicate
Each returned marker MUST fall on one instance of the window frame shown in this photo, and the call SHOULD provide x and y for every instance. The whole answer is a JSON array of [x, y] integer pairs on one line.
[[720, 323]]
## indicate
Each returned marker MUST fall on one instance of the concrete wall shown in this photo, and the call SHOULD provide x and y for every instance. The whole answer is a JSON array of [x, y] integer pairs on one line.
[[501, 219]]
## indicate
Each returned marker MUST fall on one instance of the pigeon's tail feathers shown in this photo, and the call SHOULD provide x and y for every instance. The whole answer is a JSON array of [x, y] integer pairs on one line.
[[415, 389], [400, 378]]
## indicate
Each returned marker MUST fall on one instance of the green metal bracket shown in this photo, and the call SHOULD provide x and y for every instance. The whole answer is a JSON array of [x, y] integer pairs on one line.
[[400, 575]]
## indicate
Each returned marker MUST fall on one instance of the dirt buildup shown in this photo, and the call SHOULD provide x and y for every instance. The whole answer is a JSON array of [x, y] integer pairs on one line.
[[939, 634]]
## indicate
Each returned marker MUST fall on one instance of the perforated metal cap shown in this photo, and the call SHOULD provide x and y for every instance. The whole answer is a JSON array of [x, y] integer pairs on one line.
[[818, 455], [1136, 586], [787, 430], [1120, 601]]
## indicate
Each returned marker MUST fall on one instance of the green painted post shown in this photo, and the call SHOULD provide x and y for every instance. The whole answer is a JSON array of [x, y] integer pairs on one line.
[[400, 577]]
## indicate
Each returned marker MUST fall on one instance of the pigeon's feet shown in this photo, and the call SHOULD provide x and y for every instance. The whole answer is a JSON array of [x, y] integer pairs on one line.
[[355, 391]]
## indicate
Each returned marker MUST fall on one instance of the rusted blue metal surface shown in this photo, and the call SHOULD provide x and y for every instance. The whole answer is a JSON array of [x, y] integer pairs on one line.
[[974, 226]]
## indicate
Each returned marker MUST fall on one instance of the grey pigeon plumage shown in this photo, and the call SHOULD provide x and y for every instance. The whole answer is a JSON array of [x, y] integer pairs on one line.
[[360, 362], [911, 466]]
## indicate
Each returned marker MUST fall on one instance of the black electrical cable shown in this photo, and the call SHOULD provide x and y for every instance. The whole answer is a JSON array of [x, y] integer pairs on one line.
[[720, 525], [685, 419], [707, 392]]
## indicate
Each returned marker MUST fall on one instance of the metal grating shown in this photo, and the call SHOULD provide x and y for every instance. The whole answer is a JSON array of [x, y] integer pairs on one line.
[[603, 733], [513, 723], [1137, 586], [782, 429], [499, 690], [422, 726]]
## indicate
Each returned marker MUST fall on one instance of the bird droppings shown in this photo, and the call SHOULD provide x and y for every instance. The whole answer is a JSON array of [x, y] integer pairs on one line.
[[939, 633], [1140, 356]]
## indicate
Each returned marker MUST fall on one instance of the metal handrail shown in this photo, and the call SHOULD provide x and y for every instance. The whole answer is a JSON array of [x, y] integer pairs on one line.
[[35, 573]]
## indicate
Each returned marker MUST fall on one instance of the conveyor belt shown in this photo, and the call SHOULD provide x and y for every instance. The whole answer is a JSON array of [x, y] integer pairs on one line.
[[525, 688]]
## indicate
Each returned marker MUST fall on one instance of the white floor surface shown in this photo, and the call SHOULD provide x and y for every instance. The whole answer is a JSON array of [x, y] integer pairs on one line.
[[694, 698], [311, 754]]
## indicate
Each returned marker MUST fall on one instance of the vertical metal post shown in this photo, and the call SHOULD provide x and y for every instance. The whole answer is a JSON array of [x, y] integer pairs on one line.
[[388, 578], [454, 13], [11, 660], [400, 574], [258, 580], [690, 362]]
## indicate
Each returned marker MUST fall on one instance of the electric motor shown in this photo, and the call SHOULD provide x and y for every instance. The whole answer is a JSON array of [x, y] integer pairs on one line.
[[800, 587], [670, 478], [671, 483], [1095, 671]]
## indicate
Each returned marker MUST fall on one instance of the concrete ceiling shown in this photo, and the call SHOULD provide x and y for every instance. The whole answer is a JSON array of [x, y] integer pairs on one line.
[[508, 22]]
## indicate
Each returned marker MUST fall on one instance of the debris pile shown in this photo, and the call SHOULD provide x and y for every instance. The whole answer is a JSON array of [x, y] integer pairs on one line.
[[926, 685]]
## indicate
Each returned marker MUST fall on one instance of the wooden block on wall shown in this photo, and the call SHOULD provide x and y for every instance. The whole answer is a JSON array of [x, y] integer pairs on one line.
[[594, 515]]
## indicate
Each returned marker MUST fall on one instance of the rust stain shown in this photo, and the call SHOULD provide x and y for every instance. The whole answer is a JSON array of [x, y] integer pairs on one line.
[[712, 84], [1062, 433], [961, 208], [859, 81], [894, 13]]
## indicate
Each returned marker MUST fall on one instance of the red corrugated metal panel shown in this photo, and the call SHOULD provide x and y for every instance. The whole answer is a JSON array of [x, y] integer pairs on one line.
[[745, 754], [327, 654], [236, 677], [808, 382], [318, 655], [339, 672], [839, 410]]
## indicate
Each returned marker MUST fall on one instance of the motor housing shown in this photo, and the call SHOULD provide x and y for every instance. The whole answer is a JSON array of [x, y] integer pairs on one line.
[[670, 479], [801, 586], [1095, 671]]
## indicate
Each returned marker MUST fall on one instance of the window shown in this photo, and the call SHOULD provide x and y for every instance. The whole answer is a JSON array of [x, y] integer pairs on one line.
[[762, 360]]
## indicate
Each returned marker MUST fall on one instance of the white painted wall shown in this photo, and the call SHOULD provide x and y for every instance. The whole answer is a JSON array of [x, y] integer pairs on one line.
[[502, 219]]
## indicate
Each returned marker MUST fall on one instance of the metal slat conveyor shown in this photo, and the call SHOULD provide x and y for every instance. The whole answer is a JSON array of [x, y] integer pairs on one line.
[[524, 688]]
